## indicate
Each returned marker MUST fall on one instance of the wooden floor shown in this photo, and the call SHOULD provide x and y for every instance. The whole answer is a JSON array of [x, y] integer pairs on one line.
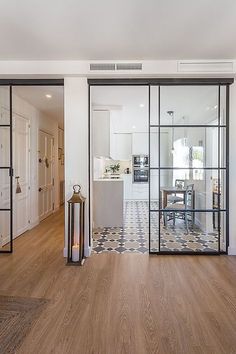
[[129, 303]]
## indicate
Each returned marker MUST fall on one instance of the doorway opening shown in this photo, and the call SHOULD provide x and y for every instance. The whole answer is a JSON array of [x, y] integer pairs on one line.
[[31, 156], [180, 168], [120, 162]]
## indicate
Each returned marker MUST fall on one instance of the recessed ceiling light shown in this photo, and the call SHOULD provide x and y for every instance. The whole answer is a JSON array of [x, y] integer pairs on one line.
[[133, 127], [141, 105], [215, 106], [48, 95]]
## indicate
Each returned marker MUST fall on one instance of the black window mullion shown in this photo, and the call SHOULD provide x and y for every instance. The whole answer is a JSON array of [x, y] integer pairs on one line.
[[10, 169], [227, 167], [149, 171], [219, 164], [159, 171], [188, 125], [11, 174]]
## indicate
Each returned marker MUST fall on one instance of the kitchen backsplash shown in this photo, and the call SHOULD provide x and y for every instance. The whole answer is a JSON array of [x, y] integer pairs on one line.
[[123, 164], [100, 165]]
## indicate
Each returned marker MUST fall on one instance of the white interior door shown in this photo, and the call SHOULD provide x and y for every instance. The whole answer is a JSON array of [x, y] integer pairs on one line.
[[46, 180], [21, 191]]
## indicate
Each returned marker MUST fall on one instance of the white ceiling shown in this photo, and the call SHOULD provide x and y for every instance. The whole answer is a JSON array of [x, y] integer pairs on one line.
[[36, 95], [124, 29]]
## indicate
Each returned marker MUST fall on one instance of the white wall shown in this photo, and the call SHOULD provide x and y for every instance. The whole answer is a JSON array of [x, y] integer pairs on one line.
[[76, 144]]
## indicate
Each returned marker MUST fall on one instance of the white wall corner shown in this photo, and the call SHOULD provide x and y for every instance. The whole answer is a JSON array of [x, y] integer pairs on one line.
[[87, 251], [76, 142], [232, 251], [65, 252]]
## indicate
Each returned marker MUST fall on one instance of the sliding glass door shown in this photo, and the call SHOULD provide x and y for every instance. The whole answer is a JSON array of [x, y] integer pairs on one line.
[[6, 171], [188, 168]]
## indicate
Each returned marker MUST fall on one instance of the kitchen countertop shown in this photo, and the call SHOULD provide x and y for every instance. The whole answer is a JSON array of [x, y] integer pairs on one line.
[[108, 180]]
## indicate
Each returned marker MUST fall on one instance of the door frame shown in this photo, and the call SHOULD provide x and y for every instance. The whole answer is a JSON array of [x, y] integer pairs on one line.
[[221, 81], [11, 83]]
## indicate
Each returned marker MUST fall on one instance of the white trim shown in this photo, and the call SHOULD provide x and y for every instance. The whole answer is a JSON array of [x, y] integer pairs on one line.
[[65, 252], [87, 252], [33, 224], [81, 68], [232, 251]]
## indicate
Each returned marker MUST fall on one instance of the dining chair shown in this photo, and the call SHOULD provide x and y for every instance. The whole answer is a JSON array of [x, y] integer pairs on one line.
[[174, 198], [181, 211]]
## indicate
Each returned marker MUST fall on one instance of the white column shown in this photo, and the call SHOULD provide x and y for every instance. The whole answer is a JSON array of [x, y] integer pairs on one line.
[[232, 171], [76, 145]]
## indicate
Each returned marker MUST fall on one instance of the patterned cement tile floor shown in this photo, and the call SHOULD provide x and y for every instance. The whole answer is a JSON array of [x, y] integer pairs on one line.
[[133, 236]]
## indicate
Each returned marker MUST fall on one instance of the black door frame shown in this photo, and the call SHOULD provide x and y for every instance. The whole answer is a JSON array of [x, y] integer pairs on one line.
[[167, 82], [11, 83]]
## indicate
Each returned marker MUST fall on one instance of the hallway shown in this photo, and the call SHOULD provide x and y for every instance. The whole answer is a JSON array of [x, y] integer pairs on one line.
[[127, 303]]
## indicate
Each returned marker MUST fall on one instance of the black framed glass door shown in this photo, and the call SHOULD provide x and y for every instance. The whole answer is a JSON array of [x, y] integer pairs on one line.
[[188, 144], [6, 170]]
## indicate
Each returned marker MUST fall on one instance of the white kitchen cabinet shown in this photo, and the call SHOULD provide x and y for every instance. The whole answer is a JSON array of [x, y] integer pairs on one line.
[[120, 146], [134, 191], [128, 186], [140, 143], [140, 191], [101, 133], [154, 185], [108, 203]]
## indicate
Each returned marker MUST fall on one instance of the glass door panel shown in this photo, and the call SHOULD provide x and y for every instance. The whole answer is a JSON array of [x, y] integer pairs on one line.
[[189, 105], [188, 232], [188, 194], [154, 231], [5, 170]]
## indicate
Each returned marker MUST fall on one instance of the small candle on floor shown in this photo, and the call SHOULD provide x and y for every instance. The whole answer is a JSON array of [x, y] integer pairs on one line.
[[75, 253]]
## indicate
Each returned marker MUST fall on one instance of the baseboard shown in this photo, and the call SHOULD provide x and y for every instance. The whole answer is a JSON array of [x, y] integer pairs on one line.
[[87, 252], [33, 224], [232, 251], [56, 208], [65, 252]]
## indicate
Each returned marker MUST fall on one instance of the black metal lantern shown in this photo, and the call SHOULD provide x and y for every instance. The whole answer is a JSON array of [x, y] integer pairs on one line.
[[76, 208]]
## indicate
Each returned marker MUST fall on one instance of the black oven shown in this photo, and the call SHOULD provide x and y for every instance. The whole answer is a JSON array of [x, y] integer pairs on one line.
[[140, 161], [140, 175]]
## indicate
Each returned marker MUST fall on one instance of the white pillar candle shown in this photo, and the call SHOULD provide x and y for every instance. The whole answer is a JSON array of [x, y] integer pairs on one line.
[[75, 253]]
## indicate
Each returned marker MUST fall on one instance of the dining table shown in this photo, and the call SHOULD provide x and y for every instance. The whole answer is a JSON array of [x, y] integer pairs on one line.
[[165, 191]]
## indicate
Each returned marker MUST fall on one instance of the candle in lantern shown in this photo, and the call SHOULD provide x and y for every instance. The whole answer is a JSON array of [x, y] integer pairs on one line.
[[75, 253]]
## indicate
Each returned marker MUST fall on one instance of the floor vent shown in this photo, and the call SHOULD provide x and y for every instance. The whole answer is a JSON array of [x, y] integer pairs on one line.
[[129, 66], [102, 66], [206, 66]]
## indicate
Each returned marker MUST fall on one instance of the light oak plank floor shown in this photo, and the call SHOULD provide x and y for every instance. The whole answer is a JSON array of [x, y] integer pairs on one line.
[[128, 303]]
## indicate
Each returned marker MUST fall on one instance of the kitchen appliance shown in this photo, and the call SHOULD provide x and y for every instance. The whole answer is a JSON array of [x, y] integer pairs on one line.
[[140, 168], [140, 161]]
